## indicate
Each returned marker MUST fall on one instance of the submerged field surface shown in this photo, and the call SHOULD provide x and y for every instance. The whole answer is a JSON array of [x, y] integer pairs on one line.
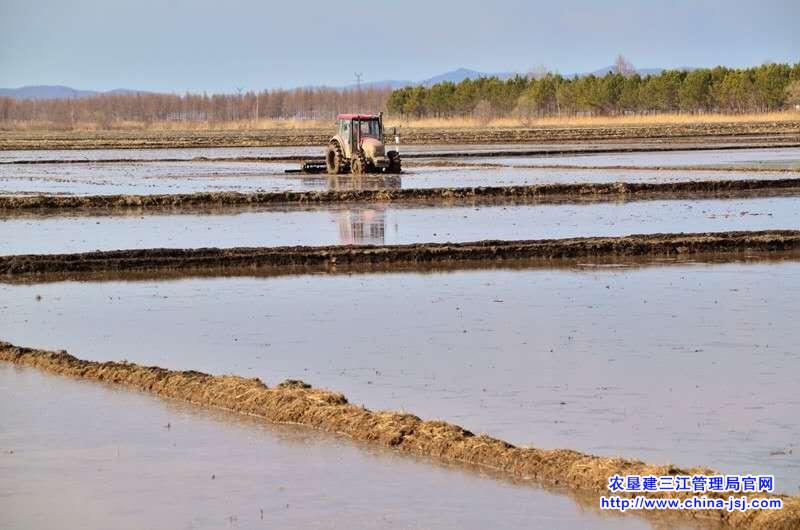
[[677, 358]]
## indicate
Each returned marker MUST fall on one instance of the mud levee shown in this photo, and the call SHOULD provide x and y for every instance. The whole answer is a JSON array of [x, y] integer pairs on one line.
[[539, 193], [447, 135], [580, 263], [421, 253], [297, 403]]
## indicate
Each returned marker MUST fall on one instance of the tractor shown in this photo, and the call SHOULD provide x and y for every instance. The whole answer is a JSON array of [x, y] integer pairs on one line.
[[358, 147]]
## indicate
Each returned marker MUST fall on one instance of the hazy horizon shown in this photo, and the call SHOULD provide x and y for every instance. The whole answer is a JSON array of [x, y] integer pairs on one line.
[[206, 46]]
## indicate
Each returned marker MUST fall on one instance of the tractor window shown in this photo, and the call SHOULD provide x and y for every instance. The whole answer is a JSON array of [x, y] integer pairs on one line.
[[371, 128]]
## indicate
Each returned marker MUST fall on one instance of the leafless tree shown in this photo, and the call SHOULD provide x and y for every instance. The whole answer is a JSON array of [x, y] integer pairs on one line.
[[483, 112], [623, 66], [537, 72], [117, 110]]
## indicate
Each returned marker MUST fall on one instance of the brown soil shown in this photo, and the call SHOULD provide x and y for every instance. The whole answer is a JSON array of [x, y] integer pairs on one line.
[[450, 135], [297, 403], [539, 193], [330, 257]]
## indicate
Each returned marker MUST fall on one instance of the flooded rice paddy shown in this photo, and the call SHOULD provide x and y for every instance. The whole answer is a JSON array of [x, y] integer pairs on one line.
[[546, 357], [788, 158], [651, 146], [685, 363], [384, 224], [146, 178], [156, 171], [113, 463], [189, 153]]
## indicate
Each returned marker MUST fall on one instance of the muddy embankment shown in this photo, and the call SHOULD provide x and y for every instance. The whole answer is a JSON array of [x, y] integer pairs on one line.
[[330, 257], [578, 263], [139, 139], [608, 191], [294, 402]]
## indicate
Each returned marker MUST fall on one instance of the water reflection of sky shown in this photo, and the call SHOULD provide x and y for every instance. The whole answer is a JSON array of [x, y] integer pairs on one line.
[[91, 456], [690, 364], [390, 224], [148, 179]]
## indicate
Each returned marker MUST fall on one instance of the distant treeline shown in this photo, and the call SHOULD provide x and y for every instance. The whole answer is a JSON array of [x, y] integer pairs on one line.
[[110, 110], [763, 88]]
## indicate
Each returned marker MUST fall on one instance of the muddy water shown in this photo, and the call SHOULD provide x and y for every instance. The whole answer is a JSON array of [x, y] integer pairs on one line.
[[144, 178], [309, 151], [245, 152], [132, 461], [761, 157], [688, 363], [386, 224], [153, 154]]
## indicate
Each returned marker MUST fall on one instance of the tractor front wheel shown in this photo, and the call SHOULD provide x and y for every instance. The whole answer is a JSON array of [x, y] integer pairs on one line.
[[359, 165], [334, 160]]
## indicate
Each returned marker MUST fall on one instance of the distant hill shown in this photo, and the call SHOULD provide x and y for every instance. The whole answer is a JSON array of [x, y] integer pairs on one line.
[[46, 92], [454, 76], [384, 83], [644, 72], [57, 92], [459, 74]]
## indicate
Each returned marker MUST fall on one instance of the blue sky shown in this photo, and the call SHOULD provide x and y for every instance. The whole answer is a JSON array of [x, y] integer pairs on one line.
[[216, 46]]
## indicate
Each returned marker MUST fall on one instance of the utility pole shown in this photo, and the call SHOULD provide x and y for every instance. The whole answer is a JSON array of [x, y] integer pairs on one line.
[[239, 90], [358, 76]]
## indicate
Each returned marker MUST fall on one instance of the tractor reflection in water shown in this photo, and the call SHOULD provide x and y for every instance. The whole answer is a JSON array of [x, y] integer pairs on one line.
[[362, 226], [352, 182], [364, 182]]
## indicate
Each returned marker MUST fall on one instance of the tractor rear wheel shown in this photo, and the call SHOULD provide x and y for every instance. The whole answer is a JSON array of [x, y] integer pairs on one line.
[[334, 160], [359, 165]]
